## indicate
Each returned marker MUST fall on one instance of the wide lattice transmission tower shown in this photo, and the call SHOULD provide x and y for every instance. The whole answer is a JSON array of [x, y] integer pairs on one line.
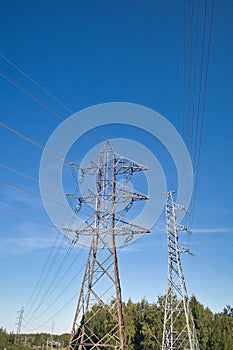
[[99, 320], [179, 329]]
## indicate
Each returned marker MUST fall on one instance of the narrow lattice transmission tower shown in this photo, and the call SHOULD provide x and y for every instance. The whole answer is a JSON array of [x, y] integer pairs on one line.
[[179, 329], [19, 325], [99, 321]]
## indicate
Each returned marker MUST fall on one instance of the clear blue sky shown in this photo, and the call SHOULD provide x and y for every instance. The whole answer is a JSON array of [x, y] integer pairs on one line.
[[86, 53]]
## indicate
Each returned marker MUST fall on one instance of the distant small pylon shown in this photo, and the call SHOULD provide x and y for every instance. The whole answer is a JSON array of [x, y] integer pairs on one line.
[[179, 330], [19, 325]]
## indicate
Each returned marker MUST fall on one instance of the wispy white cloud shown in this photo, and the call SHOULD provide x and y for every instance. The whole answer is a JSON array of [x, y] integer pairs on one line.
[[25, 198], [11, 199], [22, 245], [25, 238], [213, 230], [5, 205]]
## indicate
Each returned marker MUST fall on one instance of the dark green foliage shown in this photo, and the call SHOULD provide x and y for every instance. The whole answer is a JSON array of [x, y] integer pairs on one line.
[[228, 310], [3, 339], [203, 323], [27, 341], [144, 327]]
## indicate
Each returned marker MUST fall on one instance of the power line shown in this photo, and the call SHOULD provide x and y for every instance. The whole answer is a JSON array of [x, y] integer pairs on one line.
[[200, 83], [41, 102], [26, 138], [22, 216], [36, 83], [18, 172], [59, 311], [204, 97], [184, 67], [42, 280], [31, 193], [43, 298], [38, 221], [10, 213], [189, 66], [48, 290], [36, 144], [201, 112], [73, 279], [55, 258], [50, 262], [194, 74], [27, 92], [43, 270], [27, 177]]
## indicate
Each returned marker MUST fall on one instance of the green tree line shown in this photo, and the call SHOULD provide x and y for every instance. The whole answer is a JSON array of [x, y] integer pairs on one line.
[[144, 328]]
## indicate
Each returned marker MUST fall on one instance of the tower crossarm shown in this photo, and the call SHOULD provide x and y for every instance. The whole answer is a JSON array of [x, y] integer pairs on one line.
[[125, 165], [92, 170], [123, 228], [125, 193]]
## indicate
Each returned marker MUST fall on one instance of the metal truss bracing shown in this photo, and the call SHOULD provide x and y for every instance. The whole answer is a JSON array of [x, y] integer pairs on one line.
[[179, 329], [19, 325], [99, 320]]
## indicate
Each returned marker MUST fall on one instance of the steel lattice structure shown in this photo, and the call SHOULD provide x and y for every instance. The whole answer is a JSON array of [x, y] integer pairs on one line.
[[100, 297], [19, 325], [179, 330]]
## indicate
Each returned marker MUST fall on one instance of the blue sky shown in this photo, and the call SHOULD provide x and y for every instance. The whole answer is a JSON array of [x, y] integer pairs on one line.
[[88, 53]]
